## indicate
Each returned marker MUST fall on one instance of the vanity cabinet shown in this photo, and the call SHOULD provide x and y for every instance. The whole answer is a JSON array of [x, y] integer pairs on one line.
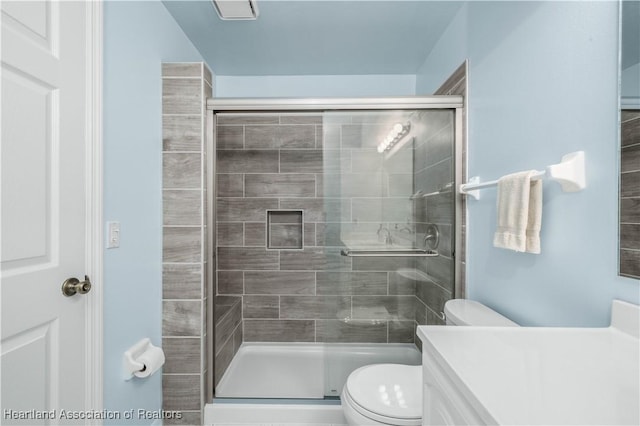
[[442, 403]]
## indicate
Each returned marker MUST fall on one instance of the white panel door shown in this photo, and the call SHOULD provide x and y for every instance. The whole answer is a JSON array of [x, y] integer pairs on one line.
[[42, 222]]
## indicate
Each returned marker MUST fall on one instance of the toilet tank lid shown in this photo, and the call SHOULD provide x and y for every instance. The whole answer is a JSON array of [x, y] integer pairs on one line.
[[470, 312]]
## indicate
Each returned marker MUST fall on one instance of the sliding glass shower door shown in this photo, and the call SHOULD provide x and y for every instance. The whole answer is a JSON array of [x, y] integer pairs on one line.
[[388, 180], [335, 223]]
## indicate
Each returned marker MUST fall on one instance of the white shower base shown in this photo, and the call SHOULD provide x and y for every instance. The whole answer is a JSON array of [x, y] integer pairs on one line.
[[304, 370]]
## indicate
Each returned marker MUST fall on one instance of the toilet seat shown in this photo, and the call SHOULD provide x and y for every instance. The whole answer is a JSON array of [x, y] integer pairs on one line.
[[386, 393]]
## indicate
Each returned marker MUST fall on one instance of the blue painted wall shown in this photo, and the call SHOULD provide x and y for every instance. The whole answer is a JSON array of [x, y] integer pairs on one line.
[[542, 83], [138, 37], [315, 86]]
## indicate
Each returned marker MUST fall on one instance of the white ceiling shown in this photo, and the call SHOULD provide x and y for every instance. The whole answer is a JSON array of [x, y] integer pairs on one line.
[[327, 37]]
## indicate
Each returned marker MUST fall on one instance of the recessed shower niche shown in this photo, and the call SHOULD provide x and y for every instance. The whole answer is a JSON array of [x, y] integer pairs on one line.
[[284, 229]]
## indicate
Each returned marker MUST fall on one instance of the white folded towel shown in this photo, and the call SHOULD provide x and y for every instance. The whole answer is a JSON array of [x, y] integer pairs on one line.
[[519, 212]]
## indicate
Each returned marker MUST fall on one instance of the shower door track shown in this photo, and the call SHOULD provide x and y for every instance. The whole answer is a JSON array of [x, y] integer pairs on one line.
[[245, 105], [331, 104]]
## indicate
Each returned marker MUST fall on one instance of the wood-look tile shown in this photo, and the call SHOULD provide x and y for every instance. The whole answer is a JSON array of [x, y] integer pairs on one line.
[[630, 132], [279, 282], [230, 282], [187, 418], [421, 312], [309, 234], [440, 145], [630, 236], [433, 178], [260, 306], [182, 355], [230, 185], [223, 359], [285, 236], [255, 234], [630, 184], [282, 136], [229, 137], [181, 318], [630, 210], [280, 185], [297, 136], [363, 135], [301, 161], [226, 323], [384, 307], [351, 331], [630, 158], [630, 263], [440, 208], [362, 185], [181, 207], [245, 119], [401, 331], [629, 114], [182, 96], [249, 210], [315, 307], [206, 74], [366, 161], [237, 339], [440, 269], [230, 234], [328, 136], [432, 295], [320, 209], [182, 133], [401, 285], [181, 244], [181, 391], [247, 161], [182, 69], [279, 331], [181, 171], [351, 283], [239, 258], [381, 263], [181, 281], [315, 259], [459, 74]]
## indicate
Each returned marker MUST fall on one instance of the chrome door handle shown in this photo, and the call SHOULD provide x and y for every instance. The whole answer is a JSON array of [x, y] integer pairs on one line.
[[72, 286]]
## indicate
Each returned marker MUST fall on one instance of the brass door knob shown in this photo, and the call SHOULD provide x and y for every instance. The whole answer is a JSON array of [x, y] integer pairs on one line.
[[72, 286]]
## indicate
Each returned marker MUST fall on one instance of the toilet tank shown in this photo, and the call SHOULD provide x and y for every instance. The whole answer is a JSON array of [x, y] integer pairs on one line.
[[470, 312]]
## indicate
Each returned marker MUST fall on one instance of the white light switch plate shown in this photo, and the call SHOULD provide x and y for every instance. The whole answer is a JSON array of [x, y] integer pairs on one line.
[[113, 235]]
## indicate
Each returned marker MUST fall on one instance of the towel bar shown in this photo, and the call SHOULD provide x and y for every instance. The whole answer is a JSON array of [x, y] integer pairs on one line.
[[570, 173]]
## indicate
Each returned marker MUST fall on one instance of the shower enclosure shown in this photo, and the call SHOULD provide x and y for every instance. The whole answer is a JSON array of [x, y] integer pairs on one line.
[[334, 230]]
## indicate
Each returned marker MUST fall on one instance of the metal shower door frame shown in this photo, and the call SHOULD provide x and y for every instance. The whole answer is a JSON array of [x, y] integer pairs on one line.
[[260, 105]]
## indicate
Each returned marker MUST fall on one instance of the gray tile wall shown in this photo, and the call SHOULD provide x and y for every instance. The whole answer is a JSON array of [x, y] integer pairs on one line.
[[630, 195], [433, 169], [185, 87], [329, 168]]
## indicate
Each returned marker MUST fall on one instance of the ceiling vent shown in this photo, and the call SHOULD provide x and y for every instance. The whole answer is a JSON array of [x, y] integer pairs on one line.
[[236, 9]]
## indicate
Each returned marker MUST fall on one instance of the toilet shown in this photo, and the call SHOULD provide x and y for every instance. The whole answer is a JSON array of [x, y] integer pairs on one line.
[[391, 394]]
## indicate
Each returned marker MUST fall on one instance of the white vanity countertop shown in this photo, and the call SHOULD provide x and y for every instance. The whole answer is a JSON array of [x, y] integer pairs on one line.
[[541, 375]]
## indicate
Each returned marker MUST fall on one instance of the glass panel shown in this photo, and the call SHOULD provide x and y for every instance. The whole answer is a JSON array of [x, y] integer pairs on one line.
[[294, 317], [389, 205]]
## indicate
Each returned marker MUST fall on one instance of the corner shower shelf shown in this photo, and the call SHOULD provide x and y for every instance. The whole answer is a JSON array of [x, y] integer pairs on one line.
[[389, 253]]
